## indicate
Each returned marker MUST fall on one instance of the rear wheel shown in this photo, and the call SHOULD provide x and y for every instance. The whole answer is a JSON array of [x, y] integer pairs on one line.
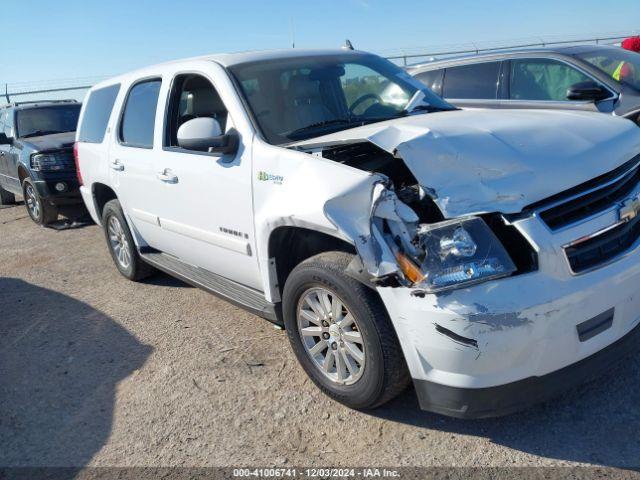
[[40, 211], [6, 198], [120, 242], [341, 333]]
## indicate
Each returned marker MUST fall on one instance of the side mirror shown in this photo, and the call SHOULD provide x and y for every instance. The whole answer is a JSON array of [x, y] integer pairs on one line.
[[4, 140], [587, 91], [205, 135]]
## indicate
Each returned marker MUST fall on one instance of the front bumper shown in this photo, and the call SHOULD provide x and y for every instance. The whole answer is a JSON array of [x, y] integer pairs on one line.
[[70, 195], [499, 346], [501, 400]]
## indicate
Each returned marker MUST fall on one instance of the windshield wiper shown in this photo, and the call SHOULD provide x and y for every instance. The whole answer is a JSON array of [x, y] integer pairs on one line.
[[39, 133], [324, 123], [428, 109]]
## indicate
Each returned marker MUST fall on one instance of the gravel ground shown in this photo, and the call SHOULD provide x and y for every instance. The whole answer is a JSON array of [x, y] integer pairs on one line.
[[96, 370]]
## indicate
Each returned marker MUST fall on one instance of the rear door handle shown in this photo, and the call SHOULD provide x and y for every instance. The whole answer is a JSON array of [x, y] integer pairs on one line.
[[117, 166], [167, 176]]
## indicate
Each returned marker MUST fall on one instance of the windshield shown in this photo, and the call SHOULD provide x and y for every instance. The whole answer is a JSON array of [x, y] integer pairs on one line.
[[300, 98], [33, 122], [621, 65]]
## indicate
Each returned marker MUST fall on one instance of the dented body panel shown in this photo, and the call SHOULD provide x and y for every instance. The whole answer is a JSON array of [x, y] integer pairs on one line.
[[474, 161]]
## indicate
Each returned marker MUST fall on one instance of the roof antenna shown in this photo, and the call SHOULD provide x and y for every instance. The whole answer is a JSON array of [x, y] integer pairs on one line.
[[347, 45], [293, 33]]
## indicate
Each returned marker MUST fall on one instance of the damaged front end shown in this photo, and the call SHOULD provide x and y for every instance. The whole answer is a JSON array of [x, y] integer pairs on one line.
[[430, 257]]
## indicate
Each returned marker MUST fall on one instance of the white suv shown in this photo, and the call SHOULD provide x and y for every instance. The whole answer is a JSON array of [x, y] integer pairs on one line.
[[488, 255]]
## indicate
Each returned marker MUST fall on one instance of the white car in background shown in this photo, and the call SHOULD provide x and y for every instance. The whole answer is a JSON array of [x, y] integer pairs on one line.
[[490, 256]]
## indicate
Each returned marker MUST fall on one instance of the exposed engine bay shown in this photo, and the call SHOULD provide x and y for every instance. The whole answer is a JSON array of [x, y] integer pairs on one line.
[[413, 244]]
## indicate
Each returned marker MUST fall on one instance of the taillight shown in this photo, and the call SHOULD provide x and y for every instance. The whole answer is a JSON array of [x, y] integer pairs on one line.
[[76, 158]]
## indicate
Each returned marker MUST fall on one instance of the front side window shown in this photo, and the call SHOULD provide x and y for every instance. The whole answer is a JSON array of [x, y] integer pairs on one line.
[[96, 114], [542, 79], [139, 117], [193, 96], [475, 81], [296, 99], [33, 122], [621, 65]]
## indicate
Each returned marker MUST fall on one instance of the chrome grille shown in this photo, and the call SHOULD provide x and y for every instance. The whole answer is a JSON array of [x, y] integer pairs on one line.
[[589, 198]]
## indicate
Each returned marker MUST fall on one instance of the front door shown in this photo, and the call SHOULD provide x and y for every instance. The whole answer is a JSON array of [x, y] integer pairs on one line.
[[204, 200]]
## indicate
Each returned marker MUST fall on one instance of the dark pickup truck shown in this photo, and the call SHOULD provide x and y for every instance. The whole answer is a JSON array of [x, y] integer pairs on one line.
[[36, 157]]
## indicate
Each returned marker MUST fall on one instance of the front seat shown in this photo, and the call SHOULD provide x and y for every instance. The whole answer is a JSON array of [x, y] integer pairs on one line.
[[305, 104], [206, 103]]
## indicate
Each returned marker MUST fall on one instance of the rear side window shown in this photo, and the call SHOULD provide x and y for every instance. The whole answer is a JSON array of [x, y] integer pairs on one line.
[[477, 81], [96, 114], [432, 79], [139, 117]]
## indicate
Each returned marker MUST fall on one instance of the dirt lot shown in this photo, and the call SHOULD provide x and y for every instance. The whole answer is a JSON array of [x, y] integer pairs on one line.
[[97, 370]]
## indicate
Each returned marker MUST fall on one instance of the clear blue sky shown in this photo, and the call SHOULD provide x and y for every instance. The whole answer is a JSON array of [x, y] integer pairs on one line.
[[45, 40]]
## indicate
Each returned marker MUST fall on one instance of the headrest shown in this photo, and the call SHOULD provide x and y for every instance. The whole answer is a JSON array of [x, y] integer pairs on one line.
[[206, 101], [302, 87]]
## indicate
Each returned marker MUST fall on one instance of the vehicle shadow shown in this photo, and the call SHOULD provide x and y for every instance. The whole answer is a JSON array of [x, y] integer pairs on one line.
[[60, 363], [596, 423]]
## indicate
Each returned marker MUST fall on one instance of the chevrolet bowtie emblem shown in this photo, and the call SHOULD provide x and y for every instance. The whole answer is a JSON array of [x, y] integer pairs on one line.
[[629, 209]]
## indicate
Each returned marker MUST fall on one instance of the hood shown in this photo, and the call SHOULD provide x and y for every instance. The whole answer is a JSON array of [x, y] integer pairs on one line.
[[55, 141], [478, 161]]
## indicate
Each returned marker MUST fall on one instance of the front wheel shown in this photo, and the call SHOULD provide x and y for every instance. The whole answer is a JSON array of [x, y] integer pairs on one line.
[[39, 210], [120, 242], [341, 333]]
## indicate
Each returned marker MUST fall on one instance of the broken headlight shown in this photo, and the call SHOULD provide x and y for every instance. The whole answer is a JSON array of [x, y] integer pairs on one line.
[[460, 252]]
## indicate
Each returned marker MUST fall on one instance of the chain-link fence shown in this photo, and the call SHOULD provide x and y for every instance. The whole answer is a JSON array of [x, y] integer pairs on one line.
[[77, 87]]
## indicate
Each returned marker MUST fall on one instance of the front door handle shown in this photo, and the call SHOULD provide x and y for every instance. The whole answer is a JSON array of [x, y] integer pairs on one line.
[[167, 176], [117, 166]]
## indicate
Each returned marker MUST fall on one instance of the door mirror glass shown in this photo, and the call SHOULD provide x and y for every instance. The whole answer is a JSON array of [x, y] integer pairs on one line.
[[587, 91], [4, 140], [204, 134]]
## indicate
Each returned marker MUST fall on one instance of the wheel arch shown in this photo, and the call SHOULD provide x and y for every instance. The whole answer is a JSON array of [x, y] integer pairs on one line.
[[101, 194], [288, 246], [23, 173]]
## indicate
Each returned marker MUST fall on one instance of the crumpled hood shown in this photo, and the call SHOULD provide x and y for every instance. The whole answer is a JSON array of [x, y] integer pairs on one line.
[[476, 161], [55, 141]]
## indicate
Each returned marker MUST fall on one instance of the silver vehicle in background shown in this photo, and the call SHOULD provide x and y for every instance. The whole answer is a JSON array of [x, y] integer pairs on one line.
[[587, 77]]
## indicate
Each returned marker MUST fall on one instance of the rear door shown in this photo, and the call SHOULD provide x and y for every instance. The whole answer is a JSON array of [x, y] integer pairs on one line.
[[132, 156], [473, 85]]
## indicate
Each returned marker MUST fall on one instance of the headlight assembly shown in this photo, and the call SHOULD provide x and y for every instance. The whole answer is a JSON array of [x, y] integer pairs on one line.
[[50, 162], [456, 253]]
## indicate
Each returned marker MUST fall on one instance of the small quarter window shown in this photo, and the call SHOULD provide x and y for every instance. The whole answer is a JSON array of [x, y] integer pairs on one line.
[[96, 114], [432, 79], [139, 117]]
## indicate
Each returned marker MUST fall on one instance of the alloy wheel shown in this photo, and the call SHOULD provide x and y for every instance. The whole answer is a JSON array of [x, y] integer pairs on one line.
[[119, 242], [331, 336], [33, 204]]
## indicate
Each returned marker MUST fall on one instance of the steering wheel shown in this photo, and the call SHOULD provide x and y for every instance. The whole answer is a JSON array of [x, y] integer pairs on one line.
[[364, 98]]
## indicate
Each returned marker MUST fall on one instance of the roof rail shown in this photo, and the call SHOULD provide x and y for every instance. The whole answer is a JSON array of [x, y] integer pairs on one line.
[[35, 102]]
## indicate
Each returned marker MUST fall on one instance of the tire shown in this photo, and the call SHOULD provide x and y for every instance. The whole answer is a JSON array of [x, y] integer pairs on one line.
[[7, 198], [383, 373], [121, 245], [40, 211]]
